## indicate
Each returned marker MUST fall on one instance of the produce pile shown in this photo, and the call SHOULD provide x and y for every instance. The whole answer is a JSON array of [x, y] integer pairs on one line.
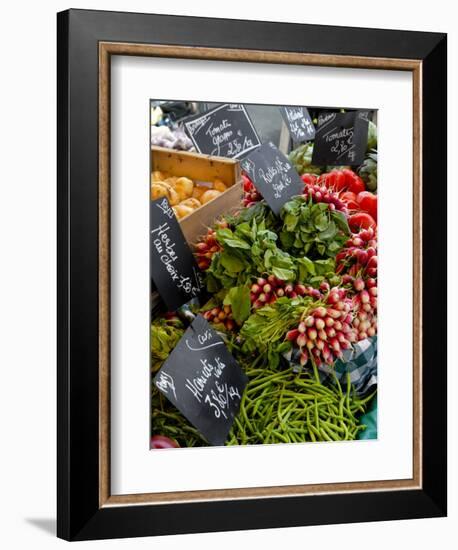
[[290, 294], [183, 194]]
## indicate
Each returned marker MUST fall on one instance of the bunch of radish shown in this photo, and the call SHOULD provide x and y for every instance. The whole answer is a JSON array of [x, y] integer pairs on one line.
[[359, 255], [326, 331], [320, 193], [250, 193], [365, 307], [267, 290], [205, 249], [220, 315]]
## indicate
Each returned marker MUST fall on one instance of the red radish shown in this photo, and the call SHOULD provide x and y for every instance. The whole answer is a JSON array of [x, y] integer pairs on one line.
[[292, 335], [372, 262], [329, 321], [309, 321], [271, 279], [334, 313], [319, 323], [321, 312], [261, 281], [303, 358], [266, 288], [319, 344], [371, 282], [255, 289], [312, 333], [300, 290], [163, 442], [280, 292], [301, 340], [324, 286], [322, 334], [301, 327]]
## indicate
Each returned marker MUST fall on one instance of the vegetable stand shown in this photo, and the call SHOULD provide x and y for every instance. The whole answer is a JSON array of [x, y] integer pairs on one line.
[[294, 295]]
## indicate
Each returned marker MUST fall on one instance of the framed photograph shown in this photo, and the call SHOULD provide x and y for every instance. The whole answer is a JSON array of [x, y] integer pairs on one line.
[[251, 275]]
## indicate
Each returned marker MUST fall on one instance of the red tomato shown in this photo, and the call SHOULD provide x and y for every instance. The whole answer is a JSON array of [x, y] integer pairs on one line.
[[163, 442], [368, 202], [361, 220], [353, 182], [349, 199], [309, 179], [340, 182]]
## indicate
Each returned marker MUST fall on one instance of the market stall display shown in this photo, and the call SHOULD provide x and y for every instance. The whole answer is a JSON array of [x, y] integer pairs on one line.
[[293, 292]]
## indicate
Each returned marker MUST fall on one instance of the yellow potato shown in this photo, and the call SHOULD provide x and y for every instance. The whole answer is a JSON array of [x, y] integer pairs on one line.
[[159, 189], [157, 175], [219, 185], [163, 189], [198, 191], [209, 195], [192, 203], [182, 211], [184, 187], [171, 180], [173, 197]]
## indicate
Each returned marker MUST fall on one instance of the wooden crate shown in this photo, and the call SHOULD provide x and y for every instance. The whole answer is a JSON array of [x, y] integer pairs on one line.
[[201, 168]]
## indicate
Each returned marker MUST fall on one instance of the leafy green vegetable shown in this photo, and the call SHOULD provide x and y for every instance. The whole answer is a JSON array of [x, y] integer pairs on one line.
[[165, 334], [247, 251], [239, 299], [312, 230]]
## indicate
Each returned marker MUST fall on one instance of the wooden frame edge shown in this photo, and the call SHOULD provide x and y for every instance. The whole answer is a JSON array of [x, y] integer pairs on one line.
[[106, 49]]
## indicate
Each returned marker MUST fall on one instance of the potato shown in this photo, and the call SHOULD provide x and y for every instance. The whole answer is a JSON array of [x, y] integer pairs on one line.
[[219, 185], [157, 175], [159, 189], [171, 180], [184, 188], [198, 191], [209, 195], [181, 211], [162, 189], [192, 203]]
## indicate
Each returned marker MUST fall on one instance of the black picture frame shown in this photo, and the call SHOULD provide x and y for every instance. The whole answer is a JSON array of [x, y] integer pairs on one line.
[[80, 515]]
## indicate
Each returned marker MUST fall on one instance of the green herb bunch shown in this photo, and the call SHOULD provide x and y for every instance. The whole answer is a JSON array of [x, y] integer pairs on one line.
[[312, 229], [248, 250]]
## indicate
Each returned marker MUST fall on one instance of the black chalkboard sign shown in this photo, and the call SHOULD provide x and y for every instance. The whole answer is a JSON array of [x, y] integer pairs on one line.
[[204, 381], [299, 123], [341, 139], [273, 175], [225, 131], [172, 265]]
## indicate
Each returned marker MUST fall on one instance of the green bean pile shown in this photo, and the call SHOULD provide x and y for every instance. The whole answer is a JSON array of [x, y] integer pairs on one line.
[[277, 407], [285, 407]]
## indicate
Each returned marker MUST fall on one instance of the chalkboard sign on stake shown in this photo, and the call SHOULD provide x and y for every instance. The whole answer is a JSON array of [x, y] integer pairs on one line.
[[204, 381], [273, 175], [299, 123], [226, 131], [172, 264], [341, 138]]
